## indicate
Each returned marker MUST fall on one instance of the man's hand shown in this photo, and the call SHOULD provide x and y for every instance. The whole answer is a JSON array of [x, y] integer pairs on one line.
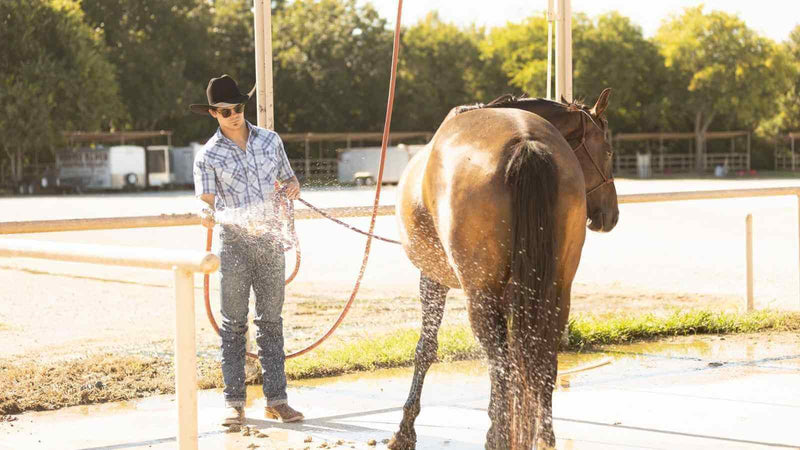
[[292, 188], [207, 217]]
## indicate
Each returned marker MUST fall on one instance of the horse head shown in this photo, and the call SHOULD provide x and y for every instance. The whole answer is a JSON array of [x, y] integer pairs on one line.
[[586, 130]]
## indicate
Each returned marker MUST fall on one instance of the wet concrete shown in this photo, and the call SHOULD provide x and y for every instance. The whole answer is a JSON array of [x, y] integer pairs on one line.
[[710, 392]]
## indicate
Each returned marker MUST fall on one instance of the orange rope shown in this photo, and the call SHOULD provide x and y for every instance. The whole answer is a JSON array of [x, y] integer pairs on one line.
[[384, 144]]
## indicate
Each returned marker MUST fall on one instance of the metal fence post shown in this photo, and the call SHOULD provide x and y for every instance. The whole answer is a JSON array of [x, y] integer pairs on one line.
[[749, 252], [185, 360]]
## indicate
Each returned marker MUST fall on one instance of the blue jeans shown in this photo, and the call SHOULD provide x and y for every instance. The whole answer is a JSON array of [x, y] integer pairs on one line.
[[247, 261]]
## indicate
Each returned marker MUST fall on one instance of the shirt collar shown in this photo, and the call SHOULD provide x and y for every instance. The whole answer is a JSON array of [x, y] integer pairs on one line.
[[252, 131]]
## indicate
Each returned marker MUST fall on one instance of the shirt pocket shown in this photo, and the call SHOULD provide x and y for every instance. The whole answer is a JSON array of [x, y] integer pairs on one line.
[[233, 179], [267, 169]]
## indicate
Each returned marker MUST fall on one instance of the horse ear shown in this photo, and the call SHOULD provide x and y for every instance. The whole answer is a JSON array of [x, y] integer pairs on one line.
[[564, 100], [602, 102]]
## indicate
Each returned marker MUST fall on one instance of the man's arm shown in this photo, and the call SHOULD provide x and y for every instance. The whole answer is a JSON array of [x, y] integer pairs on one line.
[[207, 213], [205, 189]]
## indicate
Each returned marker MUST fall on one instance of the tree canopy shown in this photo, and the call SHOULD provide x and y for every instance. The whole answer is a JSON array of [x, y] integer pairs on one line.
[[720, 66], [158, 48], [612, 52], [138, 64], [719, 69], [788, 117], [55, 76], [441, 67], [331, 66]]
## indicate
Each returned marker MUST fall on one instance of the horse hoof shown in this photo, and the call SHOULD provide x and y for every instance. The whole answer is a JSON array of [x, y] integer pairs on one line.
[[401, 443]]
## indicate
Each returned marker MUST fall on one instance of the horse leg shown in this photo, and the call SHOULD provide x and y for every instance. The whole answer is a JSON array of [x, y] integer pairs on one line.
[[545, 438], [432, 295], [489, 326]]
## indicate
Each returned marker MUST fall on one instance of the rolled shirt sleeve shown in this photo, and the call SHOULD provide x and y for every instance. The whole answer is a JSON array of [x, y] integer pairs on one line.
[[205, 179]]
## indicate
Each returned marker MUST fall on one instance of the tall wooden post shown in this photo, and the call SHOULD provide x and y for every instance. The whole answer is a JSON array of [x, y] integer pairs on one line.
[[263, 37], [564, 51]]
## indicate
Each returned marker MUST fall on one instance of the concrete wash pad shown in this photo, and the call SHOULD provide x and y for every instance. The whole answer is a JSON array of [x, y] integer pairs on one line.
[[694, 392]]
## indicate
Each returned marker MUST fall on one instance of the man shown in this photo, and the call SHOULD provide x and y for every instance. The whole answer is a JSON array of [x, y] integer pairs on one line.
[[237, 170]]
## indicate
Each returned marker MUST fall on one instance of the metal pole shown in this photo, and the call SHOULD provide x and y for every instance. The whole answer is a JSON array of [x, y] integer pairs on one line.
[[185, 360], [748, 151], [307, 165], [749, 252], [551, 15], [263, 36], [564, 51]]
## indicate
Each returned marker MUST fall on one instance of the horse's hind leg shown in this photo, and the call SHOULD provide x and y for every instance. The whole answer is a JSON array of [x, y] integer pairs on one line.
[[432, 295], [489, 325], [545, 438]]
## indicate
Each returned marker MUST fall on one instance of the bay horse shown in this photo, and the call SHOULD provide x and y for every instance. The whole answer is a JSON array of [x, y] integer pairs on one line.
[[497, 204]]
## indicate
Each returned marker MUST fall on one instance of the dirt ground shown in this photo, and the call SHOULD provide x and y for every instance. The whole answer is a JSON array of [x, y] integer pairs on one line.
[[661, 256]]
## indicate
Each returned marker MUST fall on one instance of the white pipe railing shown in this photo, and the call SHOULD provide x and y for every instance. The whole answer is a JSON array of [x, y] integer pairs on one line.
[[184, 264]]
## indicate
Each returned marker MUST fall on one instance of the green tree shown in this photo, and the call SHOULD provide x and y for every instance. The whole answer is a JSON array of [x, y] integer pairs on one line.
[[54, 77], [331, 66], [520, 49], [609, 51], [719, 67], [160, 49], [612, 52], [788, 114], [441, 67]]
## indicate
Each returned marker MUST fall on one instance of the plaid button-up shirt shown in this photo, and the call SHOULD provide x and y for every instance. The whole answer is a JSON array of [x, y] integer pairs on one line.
[[241, 178]]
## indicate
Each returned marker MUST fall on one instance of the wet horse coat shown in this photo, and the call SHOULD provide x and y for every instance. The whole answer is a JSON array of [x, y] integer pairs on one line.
[[496, 205]]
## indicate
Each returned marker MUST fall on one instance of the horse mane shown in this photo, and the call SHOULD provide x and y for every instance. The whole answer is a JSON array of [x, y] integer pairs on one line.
[[522, 102]]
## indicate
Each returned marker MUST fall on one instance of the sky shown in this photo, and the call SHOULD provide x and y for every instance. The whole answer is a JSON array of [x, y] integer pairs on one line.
[[772, 18]]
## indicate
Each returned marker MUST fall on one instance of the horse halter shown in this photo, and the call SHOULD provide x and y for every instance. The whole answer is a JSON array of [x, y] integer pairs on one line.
[[606, 180]]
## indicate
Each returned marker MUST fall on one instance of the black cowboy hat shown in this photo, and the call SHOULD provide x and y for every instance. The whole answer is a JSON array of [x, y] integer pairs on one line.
[[222, 92]]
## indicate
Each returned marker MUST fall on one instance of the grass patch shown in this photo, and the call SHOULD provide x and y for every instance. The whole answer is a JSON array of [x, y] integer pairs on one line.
[[587, 331], [391, 350], [105, 378]]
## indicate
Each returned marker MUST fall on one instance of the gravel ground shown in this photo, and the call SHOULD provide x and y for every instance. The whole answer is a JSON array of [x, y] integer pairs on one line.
[[660, 256]]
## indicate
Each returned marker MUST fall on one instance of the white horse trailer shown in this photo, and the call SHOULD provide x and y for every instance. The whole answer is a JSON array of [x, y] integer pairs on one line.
[[116, 167], [360, 165], [170, 166]]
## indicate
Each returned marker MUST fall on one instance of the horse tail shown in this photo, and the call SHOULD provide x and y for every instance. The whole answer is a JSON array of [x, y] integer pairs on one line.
[[530, 292]]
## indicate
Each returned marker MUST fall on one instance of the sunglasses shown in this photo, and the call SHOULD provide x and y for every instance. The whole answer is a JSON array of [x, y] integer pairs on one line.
[[228, 111]]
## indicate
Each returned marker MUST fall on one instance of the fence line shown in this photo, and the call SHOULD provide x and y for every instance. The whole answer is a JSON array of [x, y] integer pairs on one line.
[[179, 220]]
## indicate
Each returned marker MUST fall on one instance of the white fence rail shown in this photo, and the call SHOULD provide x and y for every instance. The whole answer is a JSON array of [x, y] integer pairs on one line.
[[683, 162]]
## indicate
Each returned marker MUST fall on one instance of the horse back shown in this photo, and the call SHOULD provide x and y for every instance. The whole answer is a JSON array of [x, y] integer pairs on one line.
[[458, 207]]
